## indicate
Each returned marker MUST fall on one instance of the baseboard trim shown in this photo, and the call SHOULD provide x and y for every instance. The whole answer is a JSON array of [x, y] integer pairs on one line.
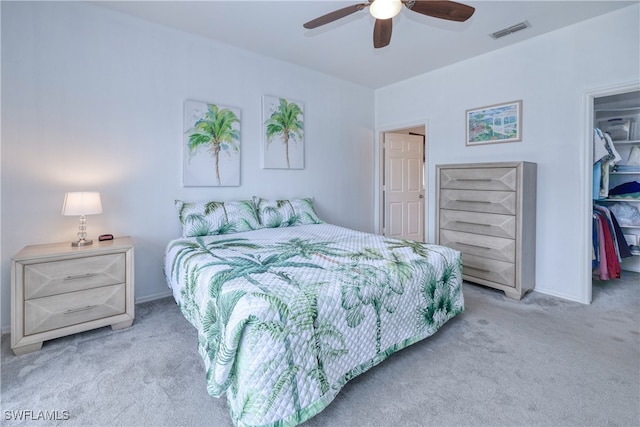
[[560, 295], [153, 297]]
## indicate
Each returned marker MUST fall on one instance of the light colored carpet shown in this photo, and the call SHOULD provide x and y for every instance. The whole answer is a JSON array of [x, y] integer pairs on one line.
[[542, 361]]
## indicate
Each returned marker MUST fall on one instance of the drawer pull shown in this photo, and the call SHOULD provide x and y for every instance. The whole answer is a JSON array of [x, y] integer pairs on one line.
[[76, 310], [474, 223], [475, 246], [484, 270], [79, 276]]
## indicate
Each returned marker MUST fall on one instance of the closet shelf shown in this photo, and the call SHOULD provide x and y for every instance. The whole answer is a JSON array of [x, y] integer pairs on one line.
[[620, 199], [616, 110], [630, 142]]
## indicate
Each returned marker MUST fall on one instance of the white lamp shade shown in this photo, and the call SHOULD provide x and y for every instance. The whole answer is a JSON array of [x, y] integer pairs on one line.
[[82, 203], [385, 9]]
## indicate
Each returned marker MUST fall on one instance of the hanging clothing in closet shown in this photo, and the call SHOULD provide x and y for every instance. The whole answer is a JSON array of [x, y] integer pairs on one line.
[[604, 156], [609, 245]]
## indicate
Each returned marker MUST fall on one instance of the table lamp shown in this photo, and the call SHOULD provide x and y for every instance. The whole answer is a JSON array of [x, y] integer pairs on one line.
[[82, 203]]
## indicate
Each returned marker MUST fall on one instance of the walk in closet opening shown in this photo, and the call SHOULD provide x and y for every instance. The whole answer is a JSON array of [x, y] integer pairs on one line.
[[616, 187]]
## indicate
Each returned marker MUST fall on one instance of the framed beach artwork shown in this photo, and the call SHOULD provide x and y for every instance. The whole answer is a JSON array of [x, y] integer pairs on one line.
[[494, 124], [211, 145], [282, 133]]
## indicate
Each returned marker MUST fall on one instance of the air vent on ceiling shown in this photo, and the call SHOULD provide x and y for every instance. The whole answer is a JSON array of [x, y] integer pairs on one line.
[[512, 29]]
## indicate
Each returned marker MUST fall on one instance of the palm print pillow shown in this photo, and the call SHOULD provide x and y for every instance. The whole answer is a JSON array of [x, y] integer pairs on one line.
[[210, 218], [286, 213]]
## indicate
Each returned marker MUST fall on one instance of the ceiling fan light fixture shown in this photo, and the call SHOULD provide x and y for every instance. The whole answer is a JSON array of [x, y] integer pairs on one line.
[[385, 9]]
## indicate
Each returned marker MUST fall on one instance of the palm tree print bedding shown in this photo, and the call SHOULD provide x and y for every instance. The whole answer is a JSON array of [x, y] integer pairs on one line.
[[286, 316]]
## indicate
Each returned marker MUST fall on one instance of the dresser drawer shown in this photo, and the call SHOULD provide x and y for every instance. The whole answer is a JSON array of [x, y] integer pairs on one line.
[[501, 202], [479, 223], [488, 269], [58, 311], [56, 277], [476, 244], [479, 179]]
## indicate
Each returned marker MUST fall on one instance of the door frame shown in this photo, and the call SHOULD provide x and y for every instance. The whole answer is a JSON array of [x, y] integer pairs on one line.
[[378, 222], [587, 177]]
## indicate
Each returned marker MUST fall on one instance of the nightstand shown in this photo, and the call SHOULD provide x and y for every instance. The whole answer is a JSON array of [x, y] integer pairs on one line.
[[59, 290]]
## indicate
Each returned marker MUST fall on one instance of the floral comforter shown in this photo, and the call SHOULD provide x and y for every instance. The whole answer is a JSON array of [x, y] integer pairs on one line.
[[286, 316]]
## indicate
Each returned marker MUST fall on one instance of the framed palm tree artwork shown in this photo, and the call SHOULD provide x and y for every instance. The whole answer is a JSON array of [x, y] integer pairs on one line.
[[283, 133], [211, 145]]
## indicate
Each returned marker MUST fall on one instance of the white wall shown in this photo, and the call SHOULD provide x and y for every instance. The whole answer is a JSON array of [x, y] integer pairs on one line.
[[92, 99], [551, 74]]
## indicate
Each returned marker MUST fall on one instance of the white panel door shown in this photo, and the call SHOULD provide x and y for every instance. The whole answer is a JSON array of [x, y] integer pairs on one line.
[[404, 186]]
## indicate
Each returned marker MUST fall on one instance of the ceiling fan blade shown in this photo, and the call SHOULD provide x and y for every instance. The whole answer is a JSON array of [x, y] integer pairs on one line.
[[382, 32], [449, 10], [334, 16]]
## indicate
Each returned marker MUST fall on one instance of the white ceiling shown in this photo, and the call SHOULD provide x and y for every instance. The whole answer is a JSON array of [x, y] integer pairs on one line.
[[344, 48]]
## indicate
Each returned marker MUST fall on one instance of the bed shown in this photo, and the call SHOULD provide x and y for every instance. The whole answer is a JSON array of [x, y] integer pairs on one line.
[[289, 311]]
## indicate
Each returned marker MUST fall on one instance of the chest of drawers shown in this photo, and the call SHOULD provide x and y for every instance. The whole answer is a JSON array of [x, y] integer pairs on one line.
[[487, 211], [57, 290]]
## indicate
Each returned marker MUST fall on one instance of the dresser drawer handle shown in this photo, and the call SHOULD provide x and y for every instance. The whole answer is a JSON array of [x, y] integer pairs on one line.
[[79, 276], [484, 270], [475, 246], [76, 310], [474, 223]]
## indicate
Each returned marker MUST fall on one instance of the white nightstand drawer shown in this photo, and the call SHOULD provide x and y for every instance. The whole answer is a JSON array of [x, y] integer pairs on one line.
[[58, 311], [56, 277]]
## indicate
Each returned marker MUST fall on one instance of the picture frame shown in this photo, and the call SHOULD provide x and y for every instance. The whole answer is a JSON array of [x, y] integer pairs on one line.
[[211, 145], [494, 124], [282, 133]]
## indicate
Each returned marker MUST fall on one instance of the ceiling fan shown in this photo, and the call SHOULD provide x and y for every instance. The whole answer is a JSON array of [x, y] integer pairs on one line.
[[385, 10]]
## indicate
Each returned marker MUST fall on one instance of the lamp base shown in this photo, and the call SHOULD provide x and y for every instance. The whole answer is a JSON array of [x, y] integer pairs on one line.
[[82, 242]]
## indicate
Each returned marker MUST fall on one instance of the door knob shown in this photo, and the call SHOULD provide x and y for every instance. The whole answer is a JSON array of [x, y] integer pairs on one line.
[[421, 196]]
